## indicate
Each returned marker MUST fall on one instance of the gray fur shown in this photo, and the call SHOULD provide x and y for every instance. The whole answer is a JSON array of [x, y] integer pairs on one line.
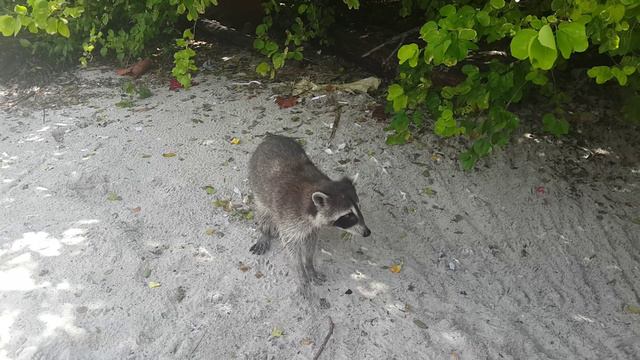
[[293, 200]]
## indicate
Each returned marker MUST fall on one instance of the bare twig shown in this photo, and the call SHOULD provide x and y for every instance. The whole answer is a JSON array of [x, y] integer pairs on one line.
[[392, 40], [326, 339], [336, 122], [199, 341]]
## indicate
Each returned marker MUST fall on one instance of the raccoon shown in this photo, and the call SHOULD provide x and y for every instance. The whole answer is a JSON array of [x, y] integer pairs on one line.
[[294, 199]]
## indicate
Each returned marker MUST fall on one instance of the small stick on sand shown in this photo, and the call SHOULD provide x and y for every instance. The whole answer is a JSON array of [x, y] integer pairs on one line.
[[336, 122], [326, 339]]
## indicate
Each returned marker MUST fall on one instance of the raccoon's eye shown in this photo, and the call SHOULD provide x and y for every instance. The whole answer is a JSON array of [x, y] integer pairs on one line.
[[346, 221]]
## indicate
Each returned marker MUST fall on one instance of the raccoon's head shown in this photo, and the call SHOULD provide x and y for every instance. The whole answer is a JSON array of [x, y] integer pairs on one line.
[[337, 204]]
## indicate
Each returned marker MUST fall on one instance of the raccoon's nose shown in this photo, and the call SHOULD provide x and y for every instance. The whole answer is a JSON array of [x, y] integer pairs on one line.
[[366, 232]]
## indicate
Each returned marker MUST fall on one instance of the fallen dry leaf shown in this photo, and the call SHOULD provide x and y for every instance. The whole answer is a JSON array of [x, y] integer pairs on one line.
[[113, 197], [210, 231], [153, 284], [395, 268], [277, 331], [306, 342], [286, 101], [259, 275], [243, 267], [379, 114], [632, 309], [137, 69], [136, 209], [168, 155], [235, 141]]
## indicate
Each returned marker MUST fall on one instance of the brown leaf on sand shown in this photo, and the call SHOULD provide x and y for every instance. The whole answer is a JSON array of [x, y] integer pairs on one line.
[[136, 70], [243, 267], [136, 209], [378, 113], [286, 101]]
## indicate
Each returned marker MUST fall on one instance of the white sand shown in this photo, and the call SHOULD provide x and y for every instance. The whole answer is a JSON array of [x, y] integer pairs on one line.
[[492, 267]]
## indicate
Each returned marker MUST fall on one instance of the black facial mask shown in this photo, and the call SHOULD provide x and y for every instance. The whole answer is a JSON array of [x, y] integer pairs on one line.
[[346, 221]]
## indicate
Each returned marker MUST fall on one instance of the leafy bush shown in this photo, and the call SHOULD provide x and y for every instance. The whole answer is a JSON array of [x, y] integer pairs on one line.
[[543, 36], [300, 22], [540, 37], [120, 27]]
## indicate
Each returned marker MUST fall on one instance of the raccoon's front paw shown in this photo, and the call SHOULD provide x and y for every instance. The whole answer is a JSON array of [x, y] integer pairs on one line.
[[260, 247], [317, 278]]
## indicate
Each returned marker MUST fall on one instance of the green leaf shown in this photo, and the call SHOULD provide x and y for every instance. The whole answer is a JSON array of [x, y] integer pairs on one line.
[[468, 160], [63, 28], [278, 60], [7, 25], [400, 102], [394, 91], [25, 43], [555, 126], [467, 34], [302, 8], [616, 13], [571, 37], [210, 189], [428, 31], [602, 74], [261, 29], [520, 43], [483, 18], [497, 4], [263, 69], [258, 44], [407, 52], [541, 57], [619, 75], [446, 125], [52, 26], [537, 77], [447, 10], [545, 37], [20, 9], [482, 147]]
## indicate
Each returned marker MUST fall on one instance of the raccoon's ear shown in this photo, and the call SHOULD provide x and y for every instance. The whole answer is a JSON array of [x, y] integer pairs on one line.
[[319, 198]]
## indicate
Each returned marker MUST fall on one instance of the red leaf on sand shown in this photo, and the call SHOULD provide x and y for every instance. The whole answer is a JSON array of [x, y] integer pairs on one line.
[[174, 84], [286, 101], [540, 190]]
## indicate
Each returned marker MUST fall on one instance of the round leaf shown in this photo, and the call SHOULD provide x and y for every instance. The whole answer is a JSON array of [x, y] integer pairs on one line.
[[467, 34], [7, 25], [263, 69], [483, 18], [63, 28], [545, 37], [520, 43], [497, 4], [407, 52], [394, 91], [20, 9], [541, 56]]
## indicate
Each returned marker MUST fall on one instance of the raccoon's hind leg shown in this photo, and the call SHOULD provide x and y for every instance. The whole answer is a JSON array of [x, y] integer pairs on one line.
[[267, 230]]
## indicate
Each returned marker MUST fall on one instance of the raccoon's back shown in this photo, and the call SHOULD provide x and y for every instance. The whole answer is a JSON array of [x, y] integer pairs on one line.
[[280, 172]]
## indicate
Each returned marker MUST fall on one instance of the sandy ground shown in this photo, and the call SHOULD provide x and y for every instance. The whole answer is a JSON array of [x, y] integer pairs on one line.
[[536, 255]]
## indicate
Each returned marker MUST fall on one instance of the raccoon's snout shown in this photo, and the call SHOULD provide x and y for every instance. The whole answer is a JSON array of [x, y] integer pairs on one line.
[[366, 232]]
